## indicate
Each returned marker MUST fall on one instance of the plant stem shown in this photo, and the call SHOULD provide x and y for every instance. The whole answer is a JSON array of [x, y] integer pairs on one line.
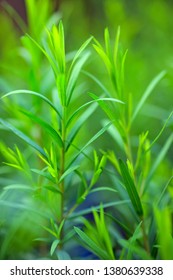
[[145, 238], [62, 165]]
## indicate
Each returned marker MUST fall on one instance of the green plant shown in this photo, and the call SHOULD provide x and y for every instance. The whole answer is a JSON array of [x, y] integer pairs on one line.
[[111, 202], [60, 153], [135, 163]]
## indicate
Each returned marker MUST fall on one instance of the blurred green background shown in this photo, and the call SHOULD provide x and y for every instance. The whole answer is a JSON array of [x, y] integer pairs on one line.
[[146, 31]]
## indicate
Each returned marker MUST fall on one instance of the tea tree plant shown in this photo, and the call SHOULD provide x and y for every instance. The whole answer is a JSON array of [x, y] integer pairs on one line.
[[61, 154], [52, 196], [134, 166]]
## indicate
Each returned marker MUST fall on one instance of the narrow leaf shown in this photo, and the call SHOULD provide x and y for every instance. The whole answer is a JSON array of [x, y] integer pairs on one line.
[[94, 138], [131, 188], [54, 246], [148, 91], [44, 174], [81, 49], [159, 158], [161, 131], [23, 137], [97, 207], [91, 245], [52, 132], [67, 172], [100, 189], [74, 75], [90, 102], [23, 91]]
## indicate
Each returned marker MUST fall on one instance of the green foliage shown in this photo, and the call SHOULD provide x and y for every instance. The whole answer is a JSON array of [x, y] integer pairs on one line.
[[86, 153], [96, 238]]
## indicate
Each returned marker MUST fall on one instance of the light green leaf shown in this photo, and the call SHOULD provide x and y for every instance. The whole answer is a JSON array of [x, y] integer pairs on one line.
[[104, 205], [29, 92], [54, 246], [44, 174], [50, 231], [23, 137], [103, 56], [52, 132], [78, 124], [91, 245], [52, 189], [116, 45], [19, 187], [67, 172], [98, 82], [159, 159], [100, 189], [97, 135], [74, 75], [89, 103], [161, 131], [77, 55], [148, 91]]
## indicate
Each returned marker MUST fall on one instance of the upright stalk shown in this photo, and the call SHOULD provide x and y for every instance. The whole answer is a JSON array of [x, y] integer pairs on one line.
[[62, 170], [62, 165]]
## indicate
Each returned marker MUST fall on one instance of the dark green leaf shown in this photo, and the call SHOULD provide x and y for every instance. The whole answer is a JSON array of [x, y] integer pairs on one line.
[[131, 189], [52, 132]]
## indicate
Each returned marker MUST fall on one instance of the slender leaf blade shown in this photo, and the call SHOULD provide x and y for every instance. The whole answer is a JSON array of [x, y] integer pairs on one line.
[[148, 91], [24, 137], [91, 245], [131, 188]]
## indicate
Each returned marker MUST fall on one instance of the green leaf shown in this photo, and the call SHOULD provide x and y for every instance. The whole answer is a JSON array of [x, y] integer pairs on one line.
[[52, 132], [29, 92], [159, 159], [30, 209], [104, 205], [136, 249], [161, 131], [100, 189], [89, 103], [114, 132], [52, 189], [107, 42], [77, 55], [19, 187], [91, 245], [116, 45], [148, 91], [163, 220], [164, 190], [97, 135], [50, 231], [67, 172], [133, 239], [44, 174], [131, 188], [98, 82], [78, 124], [54, 246], [74, 76], [103, 56], [23, 137]]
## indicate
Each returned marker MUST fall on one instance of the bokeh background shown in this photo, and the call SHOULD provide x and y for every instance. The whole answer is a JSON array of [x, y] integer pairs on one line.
[[146, 31]]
